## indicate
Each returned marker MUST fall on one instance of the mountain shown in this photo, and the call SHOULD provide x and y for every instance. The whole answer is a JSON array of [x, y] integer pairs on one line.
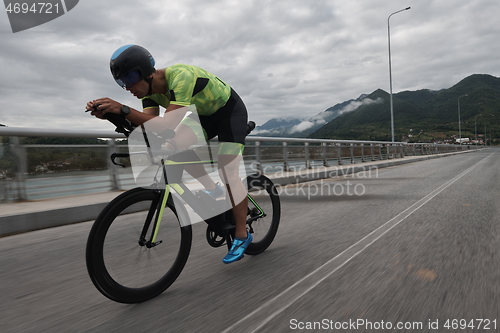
[[423, 115], [276, 126], [295, 127]]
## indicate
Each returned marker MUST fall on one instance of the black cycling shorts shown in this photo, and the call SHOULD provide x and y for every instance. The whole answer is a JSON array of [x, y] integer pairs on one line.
[[229, 123]]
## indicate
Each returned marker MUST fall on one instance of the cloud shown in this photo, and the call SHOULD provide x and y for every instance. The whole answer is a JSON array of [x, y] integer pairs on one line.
[[356, 104], [321, 118], [316, 120], [302, 126]]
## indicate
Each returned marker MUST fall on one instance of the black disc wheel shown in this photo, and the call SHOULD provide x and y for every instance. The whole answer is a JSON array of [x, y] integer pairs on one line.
[[123, 265]]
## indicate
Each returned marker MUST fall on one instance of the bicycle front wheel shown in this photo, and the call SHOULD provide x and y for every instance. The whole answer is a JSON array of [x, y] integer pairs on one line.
[[121, 266], [264, 212]]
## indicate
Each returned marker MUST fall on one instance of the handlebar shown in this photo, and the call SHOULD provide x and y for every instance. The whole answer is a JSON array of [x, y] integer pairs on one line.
[[115, 155], [122, 125]]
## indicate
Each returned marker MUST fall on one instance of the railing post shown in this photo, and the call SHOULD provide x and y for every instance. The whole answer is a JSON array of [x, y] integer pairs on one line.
[[113, 170], [372, 156], [352, 152], [285, 156], [323, 148], [22, 167], [258, 156], [306, 151], [340, 153]]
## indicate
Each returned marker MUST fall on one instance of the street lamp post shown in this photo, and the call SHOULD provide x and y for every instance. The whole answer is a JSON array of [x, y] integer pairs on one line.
[[459, 126], [475, 128], [484, 136], [390, 69]]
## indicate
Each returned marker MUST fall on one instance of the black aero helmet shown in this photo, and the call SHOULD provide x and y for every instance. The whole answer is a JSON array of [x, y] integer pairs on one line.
[[130, 64]]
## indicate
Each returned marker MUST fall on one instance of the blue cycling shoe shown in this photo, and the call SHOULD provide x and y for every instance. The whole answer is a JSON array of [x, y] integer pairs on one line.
[[237, 249], [217, 193]]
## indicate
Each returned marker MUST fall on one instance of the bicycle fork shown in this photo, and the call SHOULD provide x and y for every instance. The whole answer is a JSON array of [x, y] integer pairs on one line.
[[158, 207]]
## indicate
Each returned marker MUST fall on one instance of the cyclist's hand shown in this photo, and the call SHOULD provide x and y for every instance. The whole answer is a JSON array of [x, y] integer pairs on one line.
[[91, 106], [104, 105]]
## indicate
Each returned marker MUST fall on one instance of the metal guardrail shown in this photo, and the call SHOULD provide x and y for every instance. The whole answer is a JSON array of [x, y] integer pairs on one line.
[[265, 154]]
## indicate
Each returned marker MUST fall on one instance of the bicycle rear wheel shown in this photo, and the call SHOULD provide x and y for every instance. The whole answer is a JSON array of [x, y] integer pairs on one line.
[[264, 209], [126, 270]]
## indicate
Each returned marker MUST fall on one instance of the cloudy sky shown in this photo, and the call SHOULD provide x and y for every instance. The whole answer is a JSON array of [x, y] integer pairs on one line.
[[285, 58]]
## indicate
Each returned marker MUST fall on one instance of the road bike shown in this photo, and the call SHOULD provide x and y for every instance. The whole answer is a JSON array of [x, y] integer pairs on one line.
[[141, 241]]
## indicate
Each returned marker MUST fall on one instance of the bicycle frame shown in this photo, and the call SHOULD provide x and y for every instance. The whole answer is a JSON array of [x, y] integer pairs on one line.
[[222, 224]]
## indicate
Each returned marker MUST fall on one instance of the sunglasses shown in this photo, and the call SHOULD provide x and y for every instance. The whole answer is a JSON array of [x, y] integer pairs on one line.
[[128, 80]]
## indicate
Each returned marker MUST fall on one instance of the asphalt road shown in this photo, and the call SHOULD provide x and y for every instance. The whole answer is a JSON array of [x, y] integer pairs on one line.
[[412, 248]]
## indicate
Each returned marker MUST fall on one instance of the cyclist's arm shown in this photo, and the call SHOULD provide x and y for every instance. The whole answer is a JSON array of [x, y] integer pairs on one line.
[[173, 116], [152, 111], [171, 119], [149, 106], [139, 118], [109, 105]]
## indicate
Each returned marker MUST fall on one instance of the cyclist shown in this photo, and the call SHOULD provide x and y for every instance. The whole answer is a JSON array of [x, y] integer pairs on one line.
[[220, 110]]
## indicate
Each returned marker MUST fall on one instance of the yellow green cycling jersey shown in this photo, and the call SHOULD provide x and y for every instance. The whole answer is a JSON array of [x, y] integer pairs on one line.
[[188, 85]]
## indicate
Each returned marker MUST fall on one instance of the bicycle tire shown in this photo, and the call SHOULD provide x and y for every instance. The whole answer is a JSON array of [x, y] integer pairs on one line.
[[264, 193], [117, 264]]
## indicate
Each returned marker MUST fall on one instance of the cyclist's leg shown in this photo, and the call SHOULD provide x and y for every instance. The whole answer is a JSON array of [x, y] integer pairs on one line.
[[229, 170], [231, 121], [230, 173], [188, 133]]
